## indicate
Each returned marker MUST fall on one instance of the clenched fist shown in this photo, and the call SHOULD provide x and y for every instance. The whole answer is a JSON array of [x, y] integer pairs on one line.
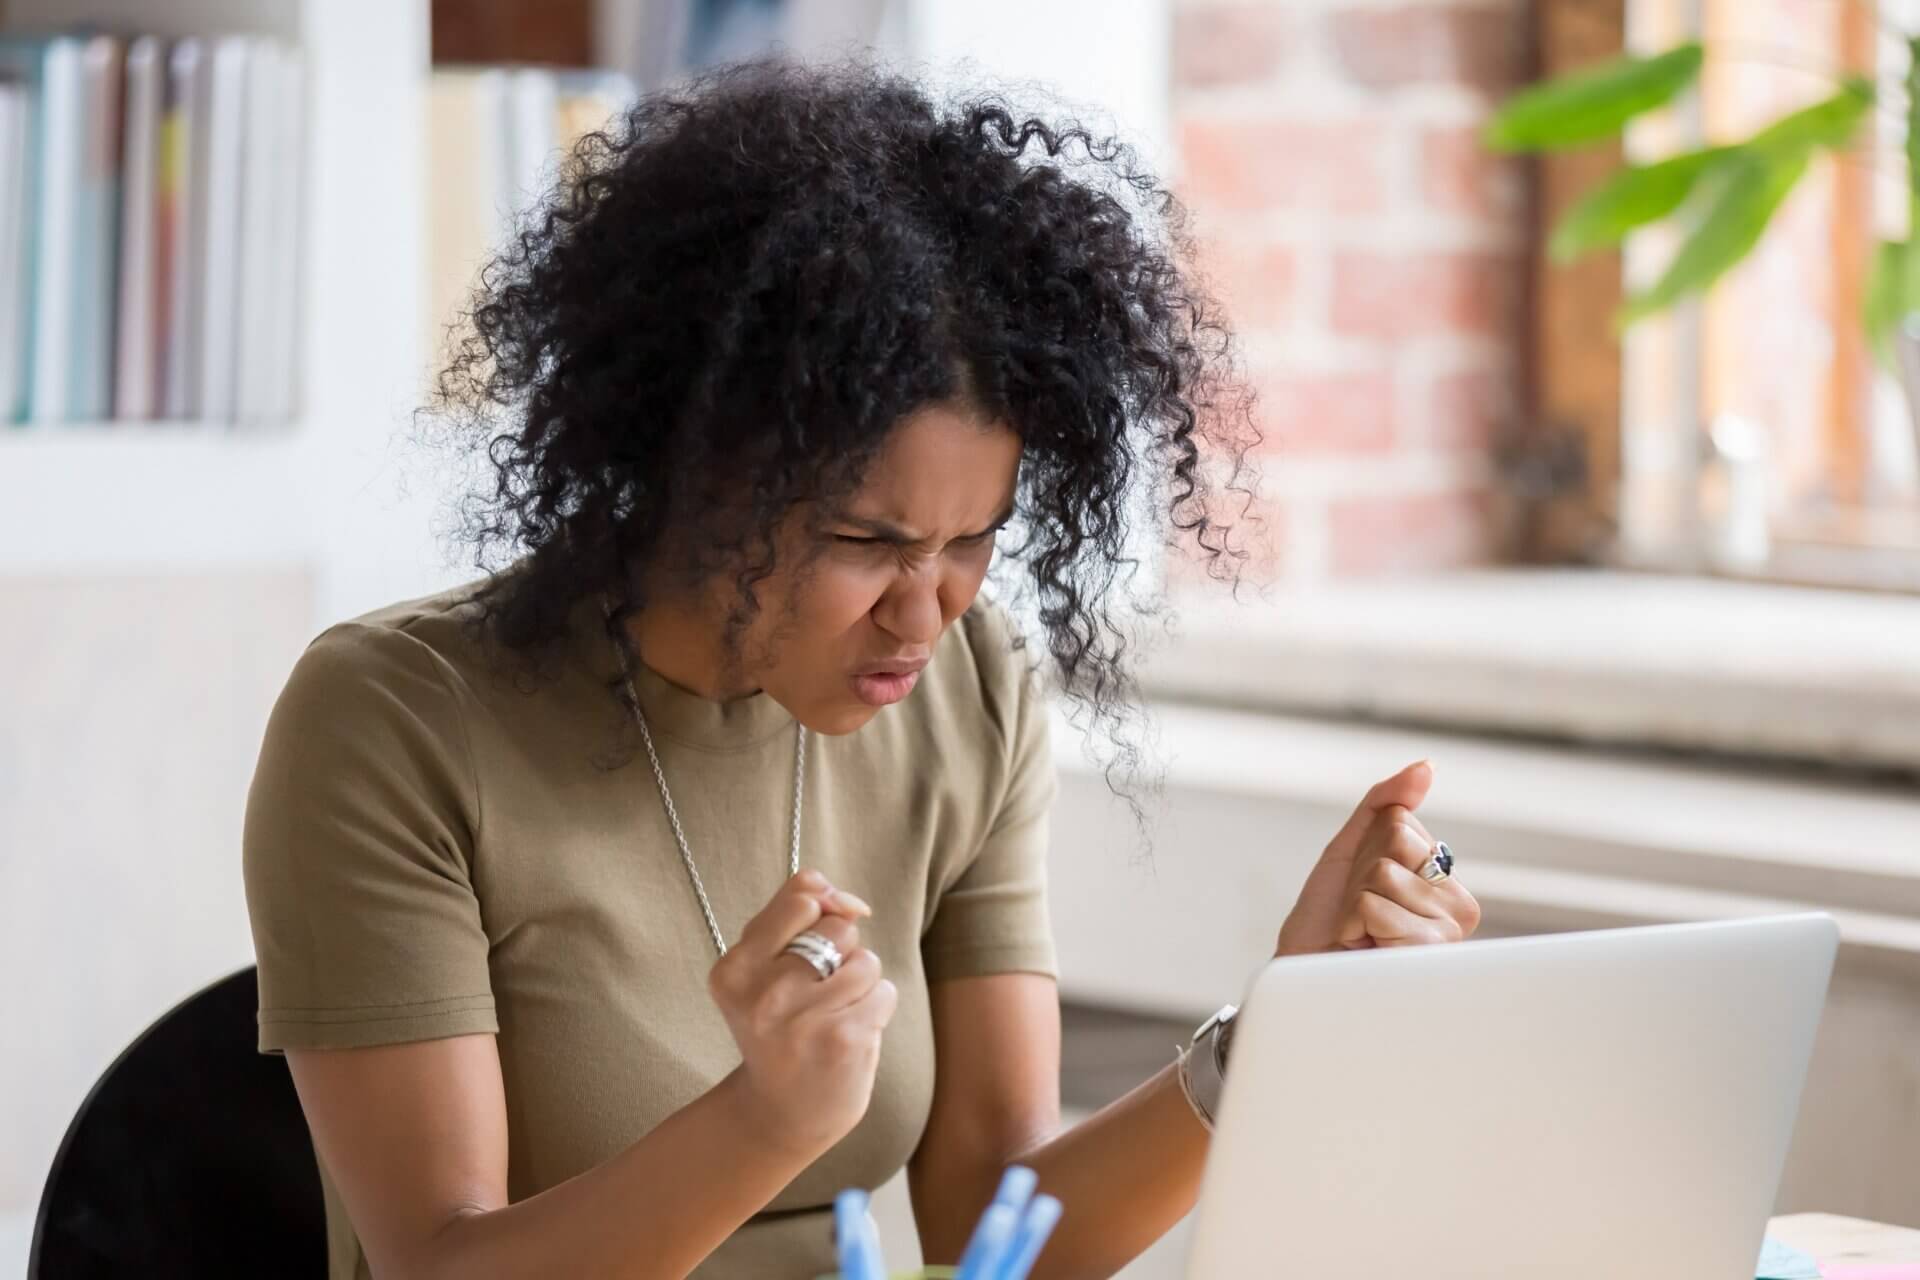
[[1366, 890], [809, 1046]]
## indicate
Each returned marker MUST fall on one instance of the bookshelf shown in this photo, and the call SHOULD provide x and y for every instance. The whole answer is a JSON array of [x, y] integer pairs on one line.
[[335, 491]]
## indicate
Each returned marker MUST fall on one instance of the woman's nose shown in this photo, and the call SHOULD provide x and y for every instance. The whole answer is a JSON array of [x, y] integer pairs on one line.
[[910, 610]]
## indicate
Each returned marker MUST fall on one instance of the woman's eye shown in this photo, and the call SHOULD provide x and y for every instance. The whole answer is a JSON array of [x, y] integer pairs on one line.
[[855, 540]]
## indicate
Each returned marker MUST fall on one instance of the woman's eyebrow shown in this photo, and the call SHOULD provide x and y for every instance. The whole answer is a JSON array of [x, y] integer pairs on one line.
[[887, 531]]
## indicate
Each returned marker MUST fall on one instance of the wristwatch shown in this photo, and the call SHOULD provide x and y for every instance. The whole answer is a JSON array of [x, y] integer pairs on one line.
[[1203, 1063]]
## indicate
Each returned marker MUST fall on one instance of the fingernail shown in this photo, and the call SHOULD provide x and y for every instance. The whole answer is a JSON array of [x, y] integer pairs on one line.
[[851, 902]]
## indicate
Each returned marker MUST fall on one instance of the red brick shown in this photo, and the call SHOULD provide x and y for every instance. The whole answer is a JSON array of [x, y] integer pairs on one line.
[[1400, 295], [1326, 413], [1438, 43], [1255, 282], [1257, 165], [1228, 44], [1406, 533], [1470, 409], [1459, 175]]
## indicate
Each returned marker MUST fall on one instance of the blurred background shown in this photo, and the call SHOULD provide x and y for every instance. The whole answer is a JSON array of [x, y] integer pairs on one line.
[[1648, 599]]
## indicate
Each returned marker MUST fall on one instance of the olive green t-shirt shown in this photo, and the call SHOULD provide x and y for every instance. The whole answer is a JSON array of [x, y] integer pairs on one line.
[[437, 845]]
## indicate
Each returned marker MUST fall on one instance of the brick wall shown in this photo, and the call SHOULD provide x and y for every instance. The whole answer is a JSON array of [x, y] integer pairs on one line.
[[1370, 255]]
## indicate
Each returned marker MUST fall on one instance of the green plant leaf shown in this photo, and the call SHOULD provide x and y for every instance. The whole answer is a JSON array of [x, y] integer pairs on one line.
[[1886, 303], [1753, 182], [1633, 197], [1829, 123], [1592, 103], [1913, 117]]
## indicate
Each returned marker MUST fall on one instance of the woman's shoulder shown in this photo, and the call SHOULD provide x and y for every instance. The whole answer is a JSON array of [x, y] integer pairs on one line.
[[443, 624], [443, 621], [371, 721], [411, 650]]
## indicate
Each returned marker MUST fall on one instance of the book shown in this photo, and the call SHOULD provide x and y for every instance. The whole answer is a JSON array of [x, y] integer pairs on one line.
[[495, 142], [465, 181], [533, 112], [16, 175], [56, 210], [218, 184], [96, 237], [589, 101], [183, 142], [136, 380], [260, 215], [284, 313]]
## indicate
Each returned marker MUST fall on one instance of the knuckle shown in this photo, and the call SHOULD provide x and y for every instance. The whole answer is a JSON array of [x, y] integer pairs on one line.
[[1380, 875], [840, 931], [861, 967], [848, 1036]]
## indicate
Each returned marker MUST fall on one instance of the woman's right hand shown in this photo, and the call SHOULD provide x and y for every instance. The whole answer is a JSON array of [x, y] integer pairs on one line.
[[415, 1135], [808, 1047]]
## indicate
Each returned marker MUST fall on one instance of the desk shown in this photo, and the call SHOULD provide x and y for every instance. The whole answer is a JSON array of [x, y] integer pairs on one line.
[[1831, 1238]]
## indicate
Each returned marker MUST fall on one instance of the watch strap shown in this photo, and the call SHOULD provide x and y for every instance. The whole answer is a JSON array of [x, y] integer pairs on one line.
[[1202, 1065]]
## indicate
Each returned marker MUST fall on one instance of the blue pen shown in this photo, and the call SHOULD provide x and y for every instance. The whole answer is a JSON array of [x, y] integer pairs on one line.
[[858, 1251], [1042, 1216], [876, 1253], [989, 1244], [1016, 1188]]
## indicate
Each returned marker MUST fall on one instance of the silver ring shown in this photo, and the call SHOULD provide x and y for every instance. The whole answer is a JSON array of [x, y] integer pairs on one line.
[[1439, 864], [817, 950]]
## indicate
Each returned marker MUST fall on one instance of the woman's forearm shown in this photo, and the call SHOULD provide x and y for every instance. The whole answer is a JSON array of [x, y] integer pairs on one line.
[[1126, 1174], [654, 1211]]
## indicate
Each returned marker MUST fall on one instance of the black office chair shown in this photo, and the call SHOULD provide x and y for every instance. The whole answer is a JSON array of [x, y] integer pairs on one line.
[[190, 1158]]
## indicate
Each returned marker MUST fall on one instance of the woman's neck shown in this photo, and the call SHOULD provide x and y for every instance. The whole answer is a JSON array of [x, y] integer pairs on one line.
[[686, 649]]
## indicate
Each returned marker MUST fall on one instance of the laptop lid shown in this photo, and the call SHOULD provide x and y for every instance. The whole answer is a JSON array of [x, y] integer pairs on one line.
[[1581, 1105]]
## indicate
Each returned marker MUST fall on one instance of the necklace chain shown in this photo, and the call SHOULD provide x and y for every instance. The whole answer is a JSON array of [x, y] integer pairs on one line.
[[673, 814]]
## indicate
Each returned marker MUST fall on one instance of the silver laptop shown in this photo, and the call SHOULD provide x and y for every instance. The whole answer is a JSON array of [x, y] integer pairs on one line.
[[1583, 1106]]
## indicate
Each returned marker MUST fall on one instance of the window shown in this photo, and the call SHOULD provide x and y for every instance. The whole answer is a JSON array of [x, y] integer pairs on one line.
[[1751, 431]]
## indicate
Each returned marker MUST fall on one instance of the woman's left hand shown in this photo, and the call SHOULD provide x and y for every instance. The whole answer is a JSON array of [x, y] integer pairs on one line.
[[1366, 890]]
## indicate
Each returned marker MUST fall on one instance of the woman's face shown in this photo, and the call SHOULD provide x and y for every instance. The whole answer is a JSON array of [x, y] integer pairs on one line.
[[846, 624]]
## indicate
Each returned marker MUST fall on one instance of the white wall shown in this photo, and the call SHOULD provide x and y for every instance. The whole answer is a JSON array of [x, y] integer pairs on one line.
[[1109, 57], [132, 710]]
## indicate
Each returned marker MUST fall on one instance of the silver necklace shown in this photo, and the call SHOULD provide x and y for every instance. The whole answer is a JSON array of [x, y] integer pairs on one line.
[[673, 815]]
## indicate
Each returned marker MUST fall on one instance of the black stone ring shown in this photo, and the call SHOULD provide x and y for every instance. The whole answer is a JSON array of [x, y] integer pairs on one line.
[[1439, 864]]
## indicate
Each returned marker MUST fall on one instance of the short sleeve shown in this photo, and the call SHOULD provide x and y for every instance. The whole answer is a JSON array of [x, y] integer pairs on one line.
[[993, 918], [358, 846]]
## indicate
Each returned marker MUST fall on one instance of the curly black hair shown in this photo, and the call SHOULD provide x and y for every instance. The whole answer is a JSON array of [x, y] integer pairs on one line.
[[739, 289]]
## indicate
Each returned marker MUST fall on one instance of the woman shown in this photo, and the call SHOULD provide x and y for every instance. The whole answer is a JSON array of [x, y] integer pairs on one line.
[[616, 911]]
